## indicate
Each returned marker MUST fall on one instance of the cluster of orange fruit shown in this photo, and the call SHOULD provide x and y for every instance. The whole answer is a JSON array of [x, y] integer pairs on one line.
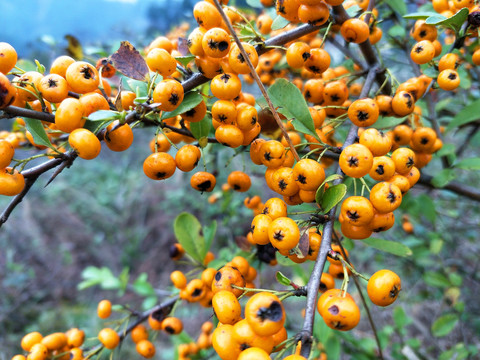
[[58, 345]]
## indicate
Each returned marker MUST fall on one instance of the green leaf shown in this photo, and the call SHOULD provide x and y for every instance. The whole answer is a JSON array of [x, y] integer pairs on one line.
[[332, 177], [444, 325], [454, 22], [209, 234], [149, 302], [419, 15], [255, 4], [332, 196], [399, 6], [40, 67], [102, 115], [185, 60], [447, 149], [400, 318], [189, 234], [279, 23], [191, 99], [397, 31], [436, 246], [435, 19], [428, 208], [388, 246], [332, 347], [468, 114], [282, 279], [138, 87], [142, 287], [436, 279], [465, 82], [455, 279], [443, 177], [88, 283], [38, 132], [387, 122], [202, 128], [289, 101], [469, 164]]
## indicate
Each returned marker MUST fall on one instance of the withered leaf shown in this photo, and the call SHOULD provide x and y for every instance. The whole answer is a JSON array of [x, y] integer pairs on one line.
[[303, 244], [183, 46], [74, 48], [129, 62]]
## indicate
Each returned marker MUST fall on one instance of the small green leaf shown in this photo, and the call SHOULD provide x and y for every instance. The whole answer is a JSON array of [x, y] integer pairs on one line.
[[436, 279], [443, 177], [332, 347], [455, 279], [333, 177], [290, 102], [444, 325], [149, 302], [191, 99], [209, 234], [399, 6], [428, 207], [447, 149], [469, 164], [38, 132], [88, 283], [388, 246], [142, 287], [401, 319], [202, 128], [138, 87], [279, 23], [189, 234], [102, 115], [332, 196], [40, 67], [387, 122], [465, 82], [282, 279], [468, 114], [419, 15], [185, 60], [436, 246], [397, 31]]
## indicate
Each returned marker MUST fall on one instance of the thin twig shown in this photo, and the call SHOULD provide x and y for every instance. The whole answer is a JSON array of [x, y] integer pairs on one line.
[[254, 74], [307, 330], [165, 308]]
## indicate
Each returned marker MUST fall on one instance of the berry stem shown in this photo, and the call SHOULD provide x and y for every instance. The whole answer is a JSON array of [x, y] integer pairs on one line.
[[254, 74]]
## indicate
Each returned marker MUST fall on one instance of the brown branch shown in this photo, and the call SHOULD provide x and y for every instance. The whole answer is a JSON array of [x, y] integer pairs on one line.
[[32, 114], [460, 189], [313, 284], [17, 199]]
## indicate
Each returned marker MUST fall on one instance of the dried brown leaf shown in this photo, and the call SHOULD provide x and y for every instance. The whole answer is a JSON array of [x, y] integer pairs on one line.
[[129, 62], [74, 48]]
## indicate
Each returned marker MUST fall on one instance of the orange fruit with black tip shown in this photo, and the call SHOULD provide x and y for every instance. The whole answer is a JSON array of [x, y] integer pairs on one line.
[[383, 287]]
